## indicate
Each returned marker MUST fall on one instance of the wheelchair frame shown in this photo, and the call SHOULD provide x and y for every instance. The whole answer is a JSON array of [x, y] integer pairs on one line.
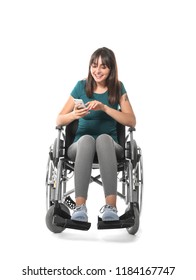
[[58, 200]]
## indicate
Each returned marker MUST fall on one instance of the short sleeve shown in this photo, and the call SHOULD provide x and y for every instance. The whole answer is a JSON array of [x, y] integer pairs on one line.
[[75, 91], [122, 89]]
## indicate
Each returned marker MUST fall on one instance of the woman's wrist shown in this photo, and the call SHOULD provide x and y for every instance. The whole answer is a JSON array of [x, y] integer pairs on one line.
[[105, 108], [73, 115]]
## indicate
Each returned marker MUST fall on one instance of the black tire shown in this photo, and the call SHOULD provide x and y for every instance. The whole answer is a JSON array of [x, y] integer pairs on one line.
[[49, 219], [133, 230], [139, 183]]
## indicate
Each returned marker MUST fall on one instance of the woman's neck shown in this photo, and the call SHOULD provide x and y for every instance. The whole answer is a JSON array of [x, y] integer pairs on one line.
[[101, 88]]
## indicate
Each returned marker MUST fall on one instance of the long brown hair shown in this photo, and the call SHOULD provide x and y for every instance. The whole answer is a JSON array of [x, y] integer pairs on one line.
[[112, 82]]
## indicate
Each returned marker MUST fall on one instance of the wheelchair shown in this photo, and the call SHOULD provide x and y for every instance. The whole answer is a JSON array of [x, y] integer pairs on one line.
[[60, 170]]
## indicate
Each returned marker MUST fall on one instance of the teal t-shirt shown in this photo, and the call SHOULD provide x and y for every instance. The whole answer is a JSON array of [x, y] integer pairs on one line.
[[96, 122]]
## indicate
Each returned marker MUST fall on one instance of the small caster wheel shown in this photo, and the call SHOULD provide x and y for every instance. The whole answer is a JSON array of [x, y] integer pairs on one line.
[[49, 219]]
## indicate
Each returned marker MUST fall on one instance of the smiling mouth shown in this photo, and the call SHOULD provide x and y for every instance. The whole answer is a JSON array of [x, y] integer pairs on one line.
[[98, 77]]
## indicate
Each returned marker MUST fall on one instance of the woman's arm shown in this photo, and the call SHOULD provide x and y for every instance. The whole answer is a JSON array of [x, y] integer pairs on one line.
[[70, 112], [126, 116]]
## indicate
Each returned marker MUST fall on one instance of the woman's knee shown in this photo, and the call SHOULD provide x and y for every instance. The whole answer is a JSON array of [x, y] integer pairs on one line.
[[85, 143], [106, 142], [103, 139], [105, 145], [86, 140]]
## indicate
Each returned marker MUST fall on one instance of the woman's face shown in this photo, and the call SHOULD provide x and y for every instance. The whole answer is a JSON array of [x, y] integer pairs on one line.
[[99, 71]]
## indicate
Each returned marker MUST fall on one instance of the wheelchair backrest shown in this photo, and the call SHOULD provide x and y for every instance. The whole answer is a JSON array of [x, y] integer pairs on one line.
[[71, 129]]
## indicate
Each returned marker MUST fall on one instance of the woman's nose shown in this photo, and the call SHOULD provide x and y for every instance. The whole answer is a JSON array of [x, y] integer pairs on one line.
[[98, 69]]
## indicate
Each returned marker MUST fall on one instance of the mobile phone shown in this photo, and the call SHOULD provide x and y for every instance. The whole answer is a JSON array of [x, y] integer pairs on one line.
[[80, 103]]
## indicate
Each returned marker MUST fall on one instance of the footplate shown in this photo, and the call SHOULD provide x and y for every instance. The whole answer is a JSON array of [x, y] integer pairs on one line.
[[68, 223], [125, 221], [62, 219]]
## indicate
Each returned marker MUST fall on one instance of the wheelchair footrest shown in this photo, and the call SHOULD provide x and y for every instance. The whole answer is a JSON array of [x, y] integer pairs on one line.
[[125, 221], [62, 219], [68, 223]]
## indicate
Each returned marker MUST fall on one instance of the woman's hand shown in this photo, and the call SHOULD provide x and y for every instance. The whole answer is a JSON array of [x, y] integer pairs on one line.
[[95, 105], [80, 112]]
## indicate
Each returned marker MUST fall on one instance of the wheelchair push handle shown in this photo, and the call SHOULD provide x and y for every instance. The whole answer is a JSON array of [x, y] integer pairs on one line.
[[131, 129], [59, 127]]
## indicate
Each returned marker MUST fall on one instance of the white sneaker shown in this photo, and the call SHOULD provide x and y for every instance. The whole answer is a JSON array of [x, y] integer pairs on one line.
[[109, 213], [80, 214]]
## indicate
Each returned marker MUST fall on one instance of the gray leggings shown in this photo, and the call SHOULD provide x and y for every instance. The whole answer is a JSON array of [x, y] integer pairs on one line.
[[82, 153]]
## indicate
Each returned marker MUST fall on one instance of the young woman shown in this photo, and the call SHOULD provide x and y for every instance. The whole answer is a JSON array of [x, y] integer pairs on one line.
[[102, 94]]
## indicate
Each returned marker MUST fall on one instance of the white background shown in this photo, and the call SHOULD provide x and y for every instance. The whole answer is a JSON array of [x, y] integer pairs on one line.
[[45, 49]]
